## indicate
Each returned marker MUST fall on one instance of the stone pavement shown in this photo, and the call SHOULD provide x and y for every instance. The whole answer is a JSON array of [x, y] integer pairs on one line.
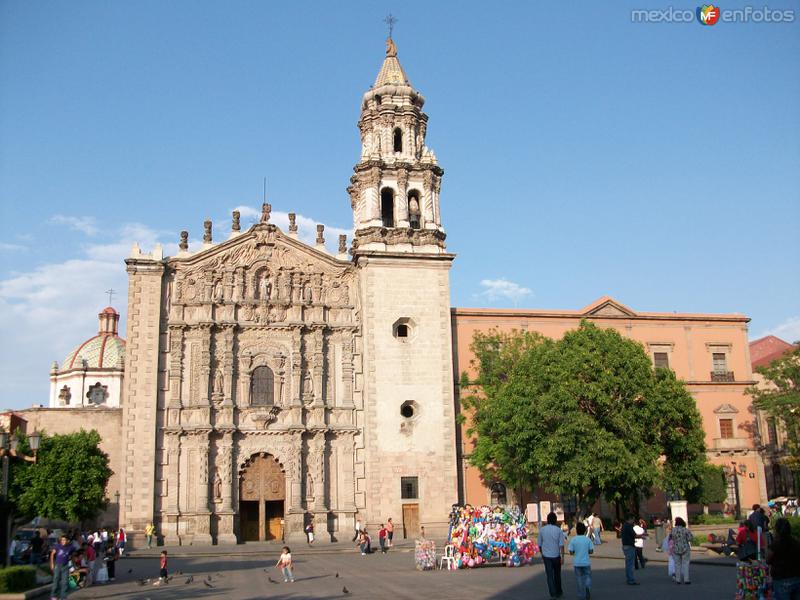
[[238, 575]]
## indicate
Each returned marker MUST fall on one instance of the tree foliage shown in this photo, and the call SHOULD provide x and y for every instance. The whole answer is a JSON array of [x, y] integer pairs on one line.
[[586, 415], [780, 398], [713, 488], [67, 482]]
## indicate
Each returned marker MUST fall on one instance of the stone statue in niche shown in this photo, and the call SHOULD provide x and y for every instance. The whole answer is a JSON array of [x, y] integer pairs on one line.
[[308, 386], [266, 287], [219, 384], [307, 297], [218, 292], [217, 486]]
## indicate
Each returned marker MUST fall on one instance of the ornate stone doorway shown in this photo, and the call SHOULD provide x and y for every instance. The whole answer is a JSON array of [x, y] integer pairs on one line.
[[262, 496]]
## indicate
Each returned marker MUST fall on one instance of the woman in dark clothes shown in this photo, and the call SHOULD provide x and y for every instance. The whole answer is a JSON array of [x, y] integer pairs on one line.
[[783, 558]]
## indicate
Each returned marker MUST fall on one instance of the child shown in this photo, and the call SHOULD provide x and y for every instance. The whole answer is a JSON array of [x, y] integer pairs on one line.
[[666, 547], [382, 538], [581, 546], [162, 574], [285, 565]]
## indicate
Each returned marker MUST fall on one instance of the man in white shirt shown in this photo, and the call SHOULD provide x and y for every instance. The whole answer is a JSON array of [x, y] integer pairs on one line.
[[551, 544]]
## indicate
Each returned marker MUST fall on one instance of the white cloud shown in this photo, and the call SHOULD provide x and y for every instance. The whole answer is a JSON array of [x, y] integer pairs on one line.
[[6, 247], [87, 225], [47, 311], [789, 330], [503, 289]]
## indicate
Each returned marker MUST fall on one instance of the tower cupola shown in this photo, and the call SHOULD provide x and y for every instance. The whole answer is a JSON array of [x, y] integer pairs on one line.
[[394, 191]]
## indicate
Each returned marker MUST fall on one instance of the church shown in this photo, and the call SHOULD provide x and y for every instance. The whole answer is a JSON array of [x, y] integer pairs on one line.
[[264, 383]]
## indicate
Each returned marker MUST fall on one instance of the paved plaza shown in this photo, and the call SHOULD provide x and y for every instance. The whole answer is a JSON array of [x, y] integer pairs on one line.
[[244, 575]]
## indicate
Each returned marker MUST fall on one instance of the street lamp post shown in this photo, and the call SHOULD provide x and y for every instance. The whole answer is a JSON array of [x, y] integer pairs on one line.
[[733, 472], [8, 450]]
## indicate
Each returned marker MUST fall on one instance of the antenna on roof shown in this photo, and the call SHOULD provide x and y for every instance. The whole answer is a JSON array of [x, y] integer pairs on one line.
[[265, 189]]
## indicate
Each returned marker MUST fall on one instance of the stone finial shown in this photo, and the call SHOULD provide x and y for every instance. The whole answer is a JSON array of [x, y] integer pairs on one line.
[[292, 223], [183, 245], [342, 244], [266, 208], [207, 231], [235, 225], [320, 235], [54, 366]]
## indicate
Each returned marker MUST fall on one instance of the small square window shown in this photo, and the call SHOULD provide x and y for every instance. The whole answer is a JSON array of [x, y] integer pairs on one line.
[[402, 330], [726, 428], [661, 360], [409, 488]]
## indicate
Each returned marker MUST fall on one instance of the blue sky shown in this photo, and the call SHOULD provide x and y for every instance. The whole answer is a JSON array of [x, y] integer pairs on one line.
[[584, 154]]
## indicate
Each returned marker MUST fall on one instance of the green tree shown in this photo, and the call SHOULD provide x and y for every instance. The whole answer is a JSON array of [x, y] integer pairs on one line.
[[780, 398], [586, 415], [66, 483], [713, 488]]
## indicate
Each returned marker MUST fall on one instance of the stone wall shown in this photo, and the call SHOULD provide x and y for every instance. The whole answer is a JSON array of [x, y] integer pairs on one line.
[[107, 422]]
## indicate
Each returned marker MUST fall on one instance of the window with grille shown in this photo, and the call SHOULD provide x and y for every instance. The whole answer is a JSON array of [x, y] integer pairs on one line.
[[772, 431], [262, 387], [720, 364], [409, 488], [661, 360], [726, 428]]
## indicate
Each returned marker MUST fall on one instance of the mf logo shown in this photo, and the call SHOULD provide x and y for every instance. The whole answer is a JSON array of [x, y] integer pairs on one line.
[[708, 14]]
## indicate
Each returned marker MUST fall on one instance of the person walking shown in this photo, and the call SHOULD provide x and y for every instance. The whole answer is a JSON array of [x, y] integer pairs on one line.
[[389, 531], [357, 529], [121, 539], [382, 538], [628, 538], [60, 556], [551, 543], [666, 548], [640, 529], [286, 565], [580, 547], [162, 569], [681, 550], [597, 525], [784, 566], [310, 533], [148, 534]]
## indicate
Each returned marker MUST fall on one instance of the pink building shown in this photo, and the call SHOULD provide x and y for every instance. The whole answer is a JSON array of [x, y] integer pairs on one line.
[[709, 352]]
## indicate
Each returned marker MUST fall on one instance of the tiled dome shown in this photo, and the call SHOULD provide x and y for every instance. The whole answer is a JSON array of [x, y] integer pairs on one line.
[[100, 352], [106, 350]]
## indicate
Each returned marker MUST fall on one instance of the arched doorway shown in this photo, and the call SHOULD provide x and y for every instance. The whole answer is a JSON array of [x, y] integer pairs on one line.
[[262, 495]]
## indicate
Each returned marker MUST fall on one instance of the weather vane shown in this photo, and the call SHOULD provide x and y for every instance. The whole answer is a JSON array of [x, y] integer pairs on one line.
[[390, 20], [110, 293]]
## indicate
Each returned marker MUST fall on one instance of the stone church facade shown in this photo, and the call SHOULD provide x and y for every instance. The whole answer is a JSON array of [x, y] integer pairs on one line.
[[270, 384]]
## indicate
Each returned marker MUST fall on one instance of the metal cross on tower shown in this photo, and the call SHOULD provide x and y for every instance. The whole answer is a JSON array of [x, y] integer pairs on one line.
[[110, 293], [390, 20]]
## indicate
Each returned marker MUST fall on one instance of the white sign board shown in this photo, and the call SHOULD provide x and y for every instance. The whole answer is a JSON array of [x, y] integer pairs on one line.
[[532, 513]]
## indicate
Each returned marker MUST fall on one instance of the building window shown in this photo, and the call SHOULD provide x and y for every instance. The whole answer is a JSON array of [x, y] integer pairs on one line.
[[262, 387], [726, 429], [409, 488], [719, 362], [407, 409], [772, 432], [397, 139], [97, 394], [387, 207], [661, 360], [402, 329]]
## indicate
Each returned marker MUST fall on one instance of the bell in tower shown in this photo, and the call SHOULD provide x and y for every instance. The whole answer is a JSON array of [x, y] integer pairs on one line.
[[395, 189]]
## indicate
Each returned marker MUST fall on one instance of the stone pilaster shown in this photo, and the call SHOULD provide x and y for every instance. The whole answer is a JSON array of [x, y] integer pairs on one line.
[[145, 282]]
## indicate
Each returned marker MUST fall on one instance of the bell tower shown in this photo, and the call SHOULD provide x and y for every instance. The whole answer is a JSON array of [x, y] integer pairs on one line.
[[408, 443], [395, 189]]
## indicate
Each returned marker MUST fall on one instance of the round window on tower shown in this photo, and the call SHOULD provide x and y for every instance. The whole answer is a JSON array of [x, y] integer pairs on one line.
[[409, 409]]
